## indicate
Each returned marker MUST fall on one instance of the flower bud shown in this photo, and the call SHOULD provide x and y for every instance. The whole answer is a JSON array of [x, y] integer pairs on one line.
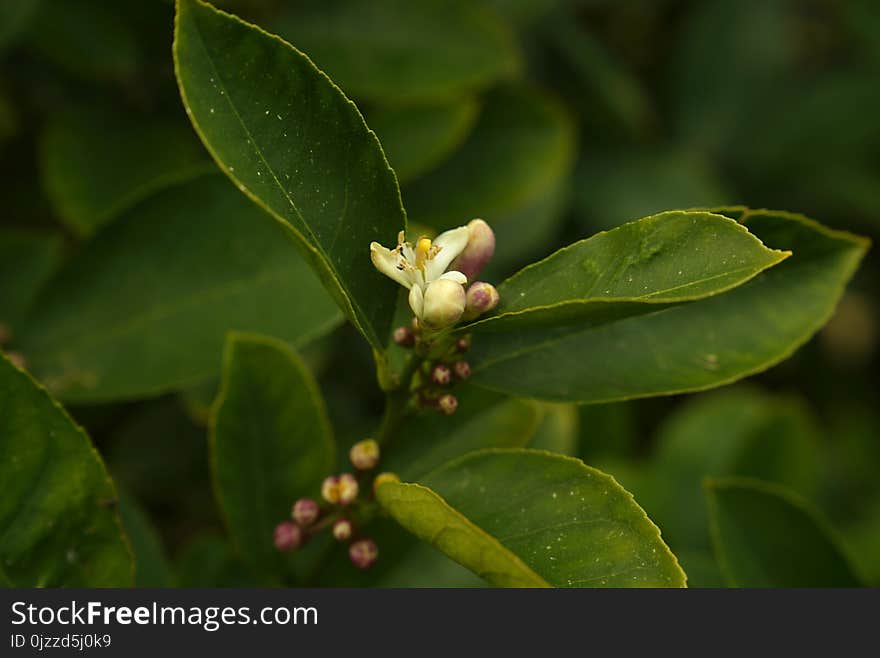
[[404, 336], [363, 553], [342, 530], [288, 536], [441, 375], [478, 252], [463, 344], [347, 488], [364, 455], [305, 512], [462, 370], [444, 302], [481, 297], [384, 478], [447, 404], [330, 489]]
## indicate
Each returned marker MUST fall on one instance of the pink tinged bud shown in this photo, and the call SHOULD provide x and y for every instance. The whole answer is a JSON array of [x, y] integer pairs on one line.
[[288, 536], [481, 298], [463, 344], [404, 336], [363, 553], [347, 488], [478, 252], [364, 455], [462, 370], [444, 302], [342, 530], [441, 375], [305, 512], [447, 404]]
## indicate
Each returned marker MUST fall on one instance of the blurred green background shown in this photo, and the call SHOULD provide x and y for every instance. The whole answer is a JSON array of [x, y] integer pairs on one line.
[[550, 119]]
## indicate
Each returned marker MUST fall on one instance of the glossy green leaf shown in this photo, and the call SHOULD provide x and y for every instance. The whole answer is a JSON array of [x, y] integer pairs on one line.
[[483, 420], [766, 536], [97, 161], [145, 307], [691, 346], [271, 443], [521, 147], [58, 522], [27, 259], [418, 137], [298, 147], [638, 268], [151, 564], [741, 432], [560, 523], [210, 561], [397, 50]]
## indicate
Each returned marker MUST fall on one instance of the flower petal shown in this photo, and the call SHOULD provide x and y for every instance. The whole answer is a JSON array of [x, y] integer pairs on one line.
[[450, 243], [452, 275], [387, 261], [416, 300]]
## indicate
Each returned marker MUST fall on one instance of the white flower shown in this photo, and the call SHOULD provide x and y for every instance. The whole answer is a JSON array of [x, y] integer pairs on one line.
[[436, 296]]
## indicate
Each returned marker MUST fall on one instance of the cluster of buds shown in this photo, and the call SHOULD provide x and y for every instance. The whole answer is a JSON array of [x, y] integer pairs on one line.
[[340, 494]]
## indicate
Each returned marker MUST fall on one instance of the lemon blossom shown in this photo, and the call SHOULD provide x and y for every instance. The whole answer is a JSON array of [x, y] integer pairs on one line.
[[437, 297]]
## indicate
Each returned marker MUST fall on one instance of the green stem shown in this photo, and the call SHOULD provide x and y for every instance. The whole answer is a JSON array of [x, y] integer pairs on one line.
[[397, 403]]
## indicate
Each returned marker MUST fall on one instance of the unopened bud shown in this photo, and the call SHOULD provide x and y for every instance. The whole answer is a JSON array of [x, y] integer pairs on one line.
[[463, 344], [364, 455], [17, 359], [404, 336], [444, 302], [305, 512], [447, 404], [384, 478], [478, 252], [342, 530], [288, 536], [481, 298], [347, 488], [462, 370], [330, 489], [441, 375], [363, 553]]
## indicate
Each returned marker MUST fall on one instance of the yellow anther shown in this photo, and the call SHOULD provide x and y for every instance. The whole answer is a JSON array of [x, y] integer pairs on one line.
[[423, 248]]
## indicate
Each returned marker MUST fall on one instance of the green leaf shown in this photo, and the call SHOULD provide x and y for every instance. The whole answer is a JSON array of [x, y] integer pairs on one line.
[[209, 561], [271, 443], [521, 147], [741, 432], [144, 307], [418, 137], [638, 268], [766, 536], [298, 147], [558, 430], [531, 518], [58, 522], [396, 50], [151, 564], [14, 16], [483, 420], [99, 161], [689, 347], [27, 259]]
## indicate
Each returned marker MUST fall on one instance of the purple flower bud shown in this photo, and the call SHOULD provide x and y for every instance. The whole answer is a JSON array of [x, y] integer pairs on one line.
[[463, 344], [288, 536], [305, 512], [462, 370], [481, 298], [363, 553], [441, 375], [447, 404], [348, 488], [364, 455], [342, 530], [404, 336], [478, 252]]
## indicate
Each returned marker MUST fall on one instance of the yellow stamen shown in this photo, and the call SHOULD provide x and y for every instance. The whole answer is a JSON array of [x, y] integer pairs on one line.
[[423, 248]]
